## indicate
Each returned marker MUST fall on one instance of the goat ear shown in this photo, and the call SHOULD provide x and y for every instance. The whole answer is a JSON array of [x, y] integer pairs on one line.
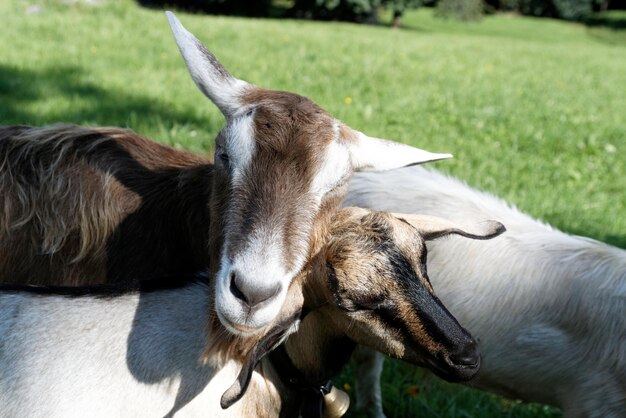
[[375, 154], [206, 71], [432, 227], [265, 345]]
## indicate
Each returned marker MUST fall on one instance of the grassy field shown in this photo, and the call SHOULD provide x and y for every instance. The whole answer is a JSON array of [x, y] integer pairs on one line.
[[533, 110]]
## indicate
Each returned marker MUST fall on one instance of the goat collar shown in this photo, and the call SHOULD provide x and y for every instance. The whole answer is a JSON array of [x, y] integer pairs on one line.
[[311, 394]]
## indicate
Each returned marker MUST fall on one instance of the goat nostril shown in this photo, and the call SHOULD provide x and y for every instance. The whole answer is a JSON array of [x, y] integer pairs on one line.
[[262, 294], [249, 293], [234, 289]]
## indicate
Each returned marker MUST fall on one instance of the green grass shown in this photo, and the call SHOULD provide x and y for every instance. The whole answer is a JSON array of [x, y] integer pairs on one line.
[[608, 27], [412, 392], [534, 110]]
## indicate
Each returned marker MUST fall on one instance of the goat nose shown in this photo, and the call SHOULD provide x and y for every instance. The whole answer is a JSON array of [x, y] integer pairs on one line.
[[249, 294], [465, 360], [468, 356]]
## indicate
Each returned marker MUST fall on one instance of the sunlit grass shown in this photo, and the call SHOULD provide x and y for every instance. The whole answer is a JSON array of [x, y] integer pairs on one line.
[[534, 110]]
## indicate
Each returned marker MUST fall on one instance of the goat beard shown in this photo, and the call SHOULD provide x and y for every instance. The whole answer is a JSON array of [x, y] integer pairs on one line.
[[224, 345], [263, 346]]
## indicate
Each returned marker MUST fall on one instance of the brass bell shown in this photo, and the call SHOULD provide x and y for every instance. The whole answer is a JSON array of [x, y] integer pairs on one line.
[[336, 403]]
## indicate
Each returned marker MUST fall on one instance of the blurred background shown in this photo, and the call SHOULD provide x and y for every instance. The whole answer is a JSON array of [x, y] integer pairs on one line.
[[529, 95]]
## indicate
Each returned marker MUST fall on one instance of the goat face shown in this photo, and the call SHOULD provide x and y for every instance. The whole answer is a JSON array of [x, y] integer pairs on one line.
[[281, 166], [378, 282]]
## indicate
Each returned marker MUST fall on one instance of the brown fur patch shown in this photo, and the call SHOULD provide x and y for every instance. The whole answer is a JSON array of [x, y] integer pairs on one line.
[[65, 190], [150, 154], [58, 210]]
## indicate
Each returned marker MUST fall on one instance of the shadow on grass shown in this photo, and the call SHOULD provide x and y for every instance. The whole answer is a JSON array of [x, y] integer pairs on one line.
[[609, 27], [245, 8], [611, 21], [74, 100]]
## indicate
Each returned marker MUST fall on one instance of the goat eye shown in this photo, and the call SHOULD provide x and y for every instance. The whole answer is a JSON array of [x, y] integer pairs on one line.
[[223, 157], [353, 306], [372, 303]]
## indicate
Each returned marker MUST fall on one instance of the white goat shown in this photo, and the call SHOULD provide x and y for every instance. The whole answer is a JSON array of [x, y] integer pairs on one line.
[[548, 308]]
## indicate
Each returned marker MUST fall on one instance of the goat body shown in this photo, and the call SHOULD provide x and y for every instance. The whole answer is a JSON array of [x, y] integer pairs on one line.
[[548, 308], [129, 355]]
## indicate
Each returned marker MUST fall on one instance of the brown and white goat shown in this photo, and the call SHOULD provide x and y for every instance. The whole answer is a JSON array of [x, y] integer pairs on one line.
[[281, 166], [548, 308], [137, 354]]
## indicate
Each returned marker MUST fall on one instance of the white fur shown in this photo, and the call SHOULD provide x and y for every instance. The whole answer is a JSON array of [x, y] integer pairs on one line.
[[240, 146], [548, 308], [375, 154], [334, 168], [129, 356]]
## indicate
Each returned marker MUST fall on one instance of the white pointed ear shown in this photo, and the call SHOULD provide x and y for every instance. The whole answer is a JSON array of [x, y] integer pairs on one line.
[[432, 227], [208, 73], [375, 154]]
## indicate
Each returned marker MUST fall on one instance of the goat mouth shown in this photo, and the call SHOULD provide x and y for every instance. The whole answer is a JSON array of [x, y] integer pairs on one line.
[[243, 329], [452, 372], [237, 329]]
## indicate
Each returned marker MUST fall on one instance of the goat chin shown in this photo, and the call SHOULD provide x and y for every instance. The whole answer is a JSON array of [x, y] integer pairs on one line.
[[548, 308]]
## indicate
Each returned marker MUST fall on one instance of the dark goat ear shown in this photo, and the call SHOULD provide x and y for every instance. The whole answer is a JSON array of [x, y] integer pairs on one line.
[[266, 344], [433, 227]]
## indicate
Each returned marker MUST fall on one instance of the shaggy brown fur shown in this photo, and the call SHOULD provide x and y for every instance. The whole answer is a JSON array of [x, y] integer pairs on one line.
[[88, 206]]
